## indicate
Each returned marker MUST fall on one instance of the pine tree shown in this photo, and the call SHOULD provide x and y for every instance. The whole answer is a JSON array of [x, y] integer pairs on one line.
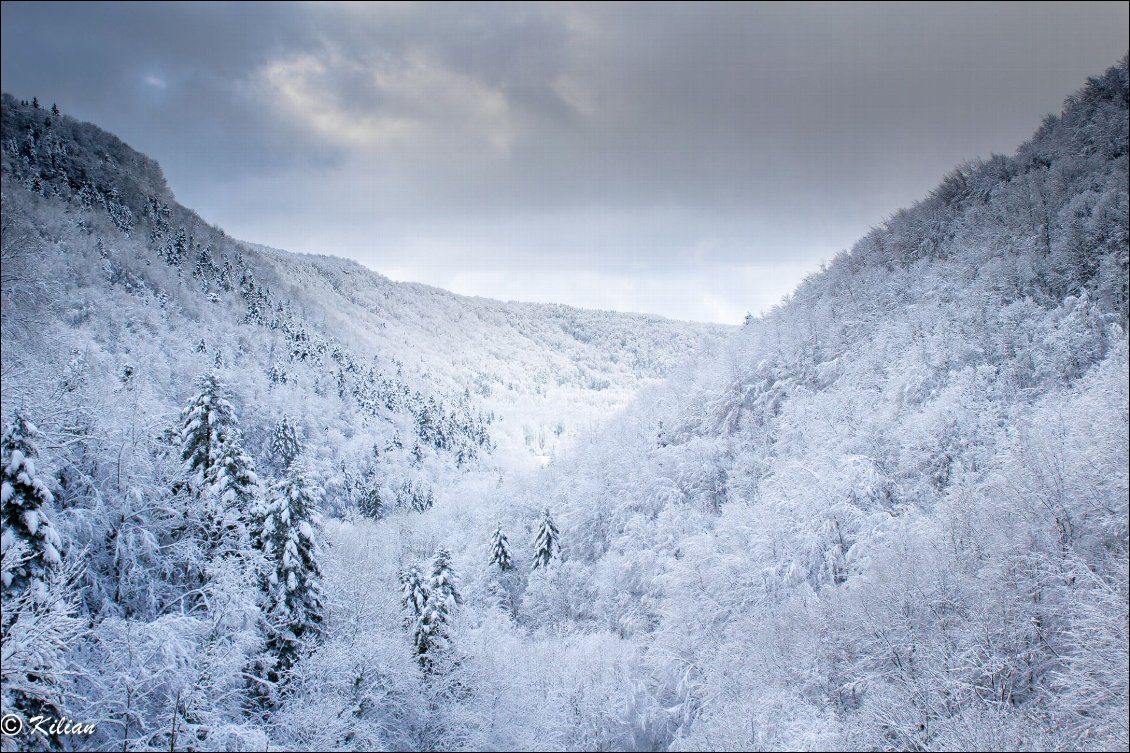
[[442, 597], [293, 582], [25, 524], [500, 550], [547, 543], [370, 504], [220, 473], [234, 499], [414, 593], [284, 446], [177, 249], [443, 583], [205, 420]]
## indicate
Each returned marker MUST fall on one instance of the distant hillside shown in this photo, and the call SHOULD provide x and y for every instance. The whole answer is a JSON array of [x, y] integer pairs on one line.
[[105, 273]]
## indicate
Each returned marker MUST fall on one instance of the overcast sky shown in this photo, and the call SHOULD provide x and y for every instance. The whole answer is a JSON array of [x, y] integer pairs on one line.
[[694, 161]]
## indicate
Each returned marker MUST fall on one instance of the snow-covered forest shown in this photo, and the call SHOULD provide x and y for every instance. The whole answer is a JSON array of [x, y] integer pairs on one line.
[[260, 500]]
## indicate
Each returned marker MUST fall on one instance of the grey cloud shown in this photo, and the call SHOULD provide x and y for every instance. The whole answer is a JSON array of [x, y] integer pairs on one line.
[[634, 139]]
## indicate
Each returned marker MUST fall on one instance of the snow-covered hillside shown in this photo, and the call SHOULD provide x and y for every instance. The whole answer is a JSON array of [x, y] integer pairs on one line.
[[889, 514], [893, 513], [105, 273]]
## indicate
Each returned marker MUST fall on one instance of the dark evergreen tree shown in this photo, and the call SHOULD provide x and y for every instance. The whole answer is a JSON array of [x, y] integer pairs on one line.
[[414, 593], [220, 474], [25, 522], [443, 583], [547, 543], [205, 421], [370, 504], [430, 635], [284, 447], [31, 560], [293, 582], [500, 550], [234, 502]]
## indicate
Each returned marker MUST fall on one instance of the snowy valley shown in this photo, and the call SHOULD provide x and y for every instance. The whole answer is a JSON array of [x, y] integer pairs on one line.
[[262, 500]]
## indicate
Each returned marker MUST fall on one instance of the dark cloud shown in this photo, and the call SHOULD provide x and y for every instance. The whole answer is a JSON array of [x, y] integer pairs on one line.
[[501, 149]]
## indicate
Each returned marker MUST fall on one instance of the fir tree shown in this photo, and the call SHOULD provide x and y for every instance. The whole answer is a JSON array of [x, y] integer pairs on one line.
[[205, 424], [547, 543], [293, 583], [370, 504], [430, 635], [500, 550], [219, 472], [284, 446], [234, 499], [413, 593], [443, 583], [25, 523]]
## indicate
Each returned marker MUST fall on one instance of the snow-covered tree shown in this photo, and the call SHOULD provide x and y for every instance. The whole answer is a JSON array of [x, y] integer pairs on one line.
[[369, 502], [430, 634], [500, 550], [25, 521], [220, 473], [443, 588], [205, 422], [293, 582], [547, 544], [413, 593], [284, 447], [37, 629]]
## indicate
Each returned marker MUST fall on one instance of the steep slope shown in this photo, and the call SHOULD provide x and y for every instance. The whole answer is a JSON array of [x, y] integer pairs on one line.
[[105, 273], [893, 513], [404, 403]]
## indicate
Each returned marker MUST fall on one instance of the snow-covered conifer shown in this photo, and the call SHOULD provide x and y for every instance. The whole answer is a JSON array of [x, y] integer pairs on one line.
[[443, 583], [371, 504], [442, 597], [500, 550], [414, 593], [293, 580], [219, 472], [25, 522], [547, 543], [284, 443]]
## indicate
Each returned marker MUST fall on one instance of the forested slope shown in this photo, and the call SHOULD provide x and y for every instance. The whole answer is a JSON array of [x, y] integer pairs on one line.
[[893, 514], [167, 385]]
